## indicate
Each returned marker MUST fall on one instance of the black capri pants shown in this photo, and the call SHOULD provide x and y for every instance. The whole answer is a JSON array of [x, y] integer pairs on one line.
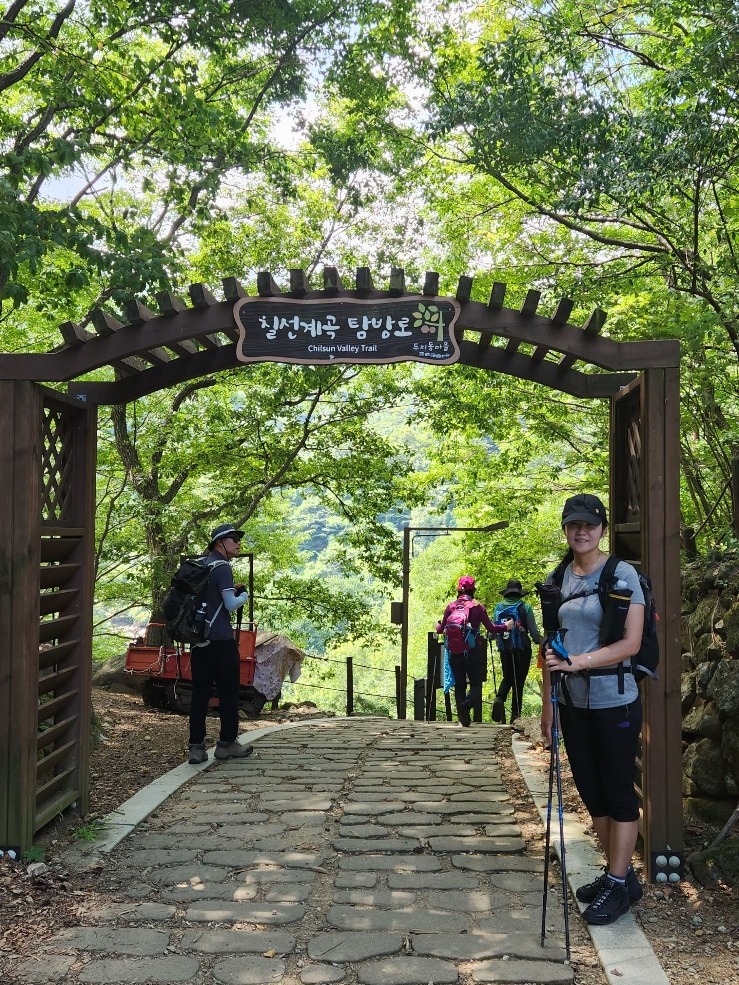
[[602, 745]]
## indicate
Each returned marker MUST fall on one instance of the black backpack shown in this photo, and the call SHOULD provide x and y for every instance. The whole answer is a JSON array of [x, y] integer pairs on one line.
[[646, 661], [185, 608]]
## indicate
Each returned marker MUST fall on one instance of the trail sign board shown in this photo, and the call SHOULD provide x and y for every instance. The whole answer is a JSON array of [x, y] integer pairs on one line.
[[347, 330]]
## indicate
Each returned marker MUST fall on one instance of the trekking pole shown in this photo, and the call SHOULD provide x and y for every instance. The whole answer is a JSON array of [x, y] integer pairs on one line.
[[493, 648], [556, 770]]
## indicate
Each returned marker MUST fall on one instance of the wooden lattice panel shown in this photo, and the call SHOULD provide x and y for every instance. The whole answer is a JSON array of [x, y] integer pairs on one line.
[[56, 464], [633, 466]]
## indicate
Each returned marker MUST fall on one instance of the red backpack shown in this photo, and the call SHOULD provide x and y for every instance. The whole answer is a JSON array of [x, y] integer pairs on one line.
[[459, 636]]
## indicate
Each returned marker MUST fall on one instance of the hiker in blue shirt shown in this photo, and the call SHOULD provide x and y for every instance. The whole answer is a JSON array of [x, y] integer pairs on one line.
[[515, 649]]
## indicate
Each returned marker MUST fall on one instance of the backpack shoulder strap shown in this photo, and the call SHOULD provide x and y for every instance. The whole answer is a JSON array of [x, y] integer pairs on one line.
[[609, 570], [216, 564], [607, 575], [559, 572]]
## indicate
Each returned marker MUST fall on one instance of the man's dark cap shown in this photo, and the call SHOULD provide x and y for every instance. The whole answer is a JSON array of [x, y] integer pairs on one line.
[[224, 530]]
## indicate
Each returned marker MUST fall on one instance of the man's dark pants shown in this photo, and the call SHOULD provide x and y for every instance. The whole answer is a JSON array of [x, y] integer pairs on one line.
[[217, 663]]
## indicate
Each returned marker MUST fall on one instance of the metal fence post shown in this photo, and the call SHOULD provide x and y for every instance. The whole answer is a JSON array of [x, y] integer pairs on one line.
[[349, 687], [433, 675], [419, 699]]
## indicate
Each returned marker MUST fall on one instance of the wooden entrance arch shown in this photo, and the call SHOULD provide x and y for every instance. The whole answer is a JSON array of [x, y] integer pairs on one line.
[[47, 463]]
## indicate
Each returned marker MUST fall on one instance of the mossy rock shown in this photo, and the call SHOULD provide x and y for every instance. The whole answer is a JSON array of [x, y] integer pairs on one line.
[[731, 630], [717, 864], [700, 621], [709, 810]]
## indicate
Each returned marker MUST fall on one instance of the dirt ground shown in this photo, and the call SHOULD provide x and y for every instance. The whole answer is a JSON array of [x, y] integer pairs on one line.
[[694, 930]]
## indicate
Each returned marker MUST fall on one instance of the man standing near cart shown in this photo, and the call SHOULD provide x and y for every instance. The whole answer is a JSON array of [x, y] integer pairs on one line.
[[216, 661]]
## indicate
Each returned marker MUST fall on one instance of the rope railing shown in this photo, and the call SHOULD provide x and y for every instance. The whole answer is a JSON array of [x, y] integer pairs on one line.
[[337, 660], [423, 689]]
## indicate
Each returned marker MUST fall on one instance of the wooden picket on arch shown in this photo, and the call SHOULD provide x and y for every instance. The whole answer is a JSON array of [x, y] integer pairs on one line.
[[46, 585]]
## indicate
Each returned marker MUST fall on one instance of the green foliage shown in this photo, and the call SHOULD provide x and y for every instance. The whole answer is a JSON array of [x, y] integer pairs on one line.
[[34, 854], [89, 832], [123, 124], [596, 150]]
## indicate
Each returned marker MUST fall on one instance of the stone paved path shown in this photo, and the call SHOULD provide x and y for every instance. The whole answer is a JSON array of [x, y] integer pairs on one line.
[[358, 851]]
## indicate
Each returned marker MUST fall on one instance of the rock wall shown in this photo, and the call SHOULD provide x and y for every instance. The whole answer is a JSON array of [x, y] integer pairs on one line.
[[710, 682]]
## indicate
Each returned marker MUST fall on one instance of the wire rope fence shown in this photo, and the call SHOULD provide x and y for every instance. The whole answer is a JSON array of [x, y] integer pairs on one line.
[[363, 697]]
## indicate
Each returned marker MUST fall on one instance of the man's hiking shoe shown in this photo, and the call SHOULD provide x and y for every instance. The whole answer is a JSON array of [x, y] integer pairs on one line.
[[610, 904], [198, 754], [232, 750], [463, 714], [588, 892], [498, 713]]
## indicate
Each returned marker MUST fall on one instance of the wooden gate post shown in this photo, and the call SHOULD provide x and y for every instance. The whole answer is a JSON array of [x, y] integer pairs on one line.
[[20, 414], [47, 484], [645, 528]]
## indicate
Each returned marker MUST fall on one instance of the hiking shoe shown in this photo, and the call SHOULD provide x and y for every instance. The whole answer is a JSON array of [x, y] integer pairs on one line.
[[610, 904], [588, 892], [463, 714], [498, 713], [198, 754], [232, 750]]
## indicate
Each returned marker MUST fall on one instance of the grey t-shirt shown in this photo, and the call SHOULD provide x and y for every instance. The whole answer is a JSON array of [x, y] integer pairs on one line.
[[582, 618]]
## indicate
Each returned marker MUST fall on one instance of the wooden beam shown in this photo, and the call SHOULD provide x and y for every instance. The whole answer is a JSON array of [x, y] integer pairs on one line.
[[495, 303], [570, 340], [572, 381], [233, 289], [332, 281], [201, 297], [531, 302], [396, 287], [266, 285], [595, 322], [136, 313], [169, 304], [431, 284], [590, 329], [464, 289], [363, 281], [563, 312], [201, 363], [104, 323], [117, 347], [73, 334], [299, 283], [497, 296]]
